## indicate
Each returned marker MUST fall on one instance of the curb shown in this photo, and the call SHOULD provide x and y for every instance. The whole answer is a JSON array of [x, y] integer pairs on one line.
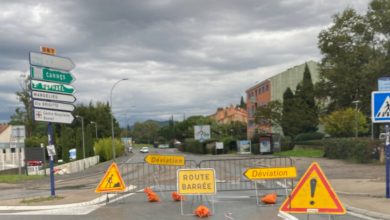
[[372, 214], [96, 201]]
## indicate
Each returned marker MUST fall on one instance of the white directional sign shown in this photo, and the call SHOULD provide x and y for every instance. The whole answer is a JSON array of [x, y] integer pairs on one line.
[[52, 116], [380, 103], [53, 105], [51, 87], [62, 63], [52, 96], [202, 132]]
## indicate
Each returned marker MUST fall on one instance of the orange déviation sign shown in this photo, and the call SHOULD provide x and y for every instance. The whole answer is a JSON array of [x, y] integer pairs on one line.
[[112, 181], [313, 194]]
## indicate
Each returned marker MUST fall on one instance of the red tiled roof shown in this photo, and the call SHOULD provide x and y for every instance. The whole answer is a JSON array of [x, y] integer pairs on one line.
[[3, 127]]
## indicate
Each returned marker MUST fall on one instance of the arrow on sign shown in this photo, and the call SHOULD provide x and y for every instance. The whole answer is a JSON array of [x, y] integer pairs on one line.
[[51, 75], [173, 160], [62, 63], [270, 173], [53, 105], [51, 87], [53, 96], [53, 116]]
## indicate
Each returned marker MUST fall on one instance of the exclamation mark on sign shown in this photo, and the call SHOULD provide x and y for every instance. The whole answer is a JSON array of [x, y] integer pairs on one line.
[[313, 184]]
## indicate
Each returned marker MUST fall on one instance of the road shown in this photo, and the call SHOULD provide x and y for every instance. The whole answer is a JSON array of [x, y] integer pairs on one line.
[[229, 204]]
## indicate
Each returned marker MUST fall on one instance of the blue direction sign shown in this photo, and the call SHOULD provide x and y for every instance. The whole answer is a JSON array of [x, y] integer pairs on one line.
[[380, 106]]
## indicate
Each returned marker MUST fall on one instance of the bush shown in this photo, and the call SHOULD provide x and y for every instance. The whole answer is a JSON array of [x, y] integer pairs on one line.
[[194, 146], [286, 143], [352, 149], [103, 148], [309, 136]]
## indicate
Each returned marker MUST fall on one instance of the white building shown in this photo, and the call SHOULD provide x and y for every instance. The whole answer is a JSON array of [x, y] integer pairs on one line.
[[12, 146]]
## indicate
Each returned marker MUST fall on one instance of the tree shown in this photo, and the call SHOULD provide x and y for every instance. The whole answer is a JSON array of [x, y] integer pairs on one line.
[[342, 123], [289, 114], [242, 103], [270, 114], [352, 61], [305, 104]]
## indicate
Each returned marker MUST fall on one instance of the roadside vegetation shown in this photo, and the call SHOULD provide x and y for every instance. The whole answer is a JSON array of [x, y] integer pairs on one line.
[[11, 179]]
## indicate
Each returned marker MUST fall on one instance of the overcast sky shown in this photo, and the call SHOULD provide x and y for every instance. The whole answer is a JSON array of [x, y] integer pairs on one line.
[[181, 56]]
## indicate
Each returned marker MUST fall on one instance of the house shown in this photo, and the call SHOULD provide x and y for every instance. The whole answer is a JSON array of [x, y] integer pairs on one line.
[[230, 114], [11, 146]]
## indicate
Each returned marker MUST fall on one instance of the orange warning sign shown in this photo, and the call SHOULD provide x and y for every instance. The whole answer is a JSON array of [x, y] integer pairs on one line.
[[112, 181], [313, 194]]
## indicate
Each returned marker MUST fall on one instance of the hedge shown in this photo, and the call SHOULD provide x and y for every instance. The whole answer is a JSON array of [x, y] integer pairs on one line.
[[357, 150]]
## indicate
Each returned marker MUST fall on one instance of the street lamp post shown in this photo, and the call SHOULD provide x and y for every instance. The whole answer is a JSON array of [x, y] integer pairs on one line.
[[112, 117], [356, 102], [82, 133], [92, 122]]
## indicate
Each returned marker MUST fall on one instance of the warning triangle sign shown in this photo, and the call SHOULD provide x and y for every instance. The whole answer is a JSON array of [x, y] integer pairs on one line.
[[384, 111], [112, 181], [313, 194]]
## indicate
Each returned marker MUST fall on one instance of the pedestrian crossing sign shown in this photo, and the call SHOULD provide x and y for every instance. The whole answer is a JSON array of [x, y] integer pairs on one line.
[[112, 181], [380, 106]]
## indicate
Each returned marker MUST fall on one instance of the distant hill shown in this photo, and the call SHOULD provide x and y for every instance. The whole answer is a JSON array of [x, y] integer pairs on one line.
[[159, 123]]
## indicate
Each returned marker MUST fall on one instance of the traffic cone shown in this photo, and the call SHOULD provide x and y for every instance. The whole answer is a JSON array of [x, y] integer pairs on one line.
[[177, 197], [269, 198], [202, 211]]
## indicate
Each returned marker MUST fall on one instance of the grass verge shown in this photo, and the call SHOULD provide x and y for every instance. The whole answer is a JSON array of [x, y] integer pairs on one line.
[[17, 178], [41, 199], [301, 153]]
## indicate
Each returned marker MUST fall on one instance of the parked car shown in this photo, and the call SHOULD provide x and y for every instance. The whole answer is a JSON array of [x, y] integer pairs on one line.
[[130, 149], [144, 150]]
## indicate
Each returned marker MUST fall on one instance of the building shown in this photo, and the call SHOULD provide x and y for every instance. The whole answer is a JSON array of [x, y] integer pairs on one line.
[[11, 146], [272, 89], [230, 114]]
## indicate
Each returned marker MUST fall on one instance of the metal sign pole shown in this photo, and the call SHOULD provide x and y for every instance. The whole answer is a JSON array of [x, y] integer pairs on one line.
[[387, 153], [51, 142]]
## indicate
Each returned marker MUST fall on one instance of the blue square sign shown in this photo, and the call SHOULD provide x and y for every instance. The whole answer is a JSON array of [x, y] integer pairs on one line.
[[380, 106]]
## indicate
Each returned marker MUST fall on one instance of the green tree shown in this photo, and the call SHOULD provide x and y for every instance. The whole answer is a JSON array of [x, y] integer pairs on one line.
[[342, 123], [242, 103], [352, 61], [270, 114], [305, 104], [146, 132], [290, 114]]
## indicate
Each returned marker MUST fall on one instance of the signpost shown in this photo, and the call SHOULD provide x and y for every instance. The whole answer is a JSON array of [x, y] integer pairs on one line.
[[171, 160], [40, 59], [52, 75], [270, 173], [51, 87], [53, 96], [50, 79], [380, 108], [53, 105]]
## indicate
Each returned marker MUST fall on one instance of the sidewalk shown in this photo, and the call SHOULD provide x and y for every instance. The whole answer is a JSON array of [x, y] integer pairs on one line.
[[363, 196]]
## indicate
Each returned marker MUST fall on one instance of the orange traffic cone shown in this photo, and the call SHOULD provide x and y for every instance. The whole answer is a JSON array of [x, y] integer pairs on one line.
[[269, 198], [177, 197], [153, 197], [202, 211]]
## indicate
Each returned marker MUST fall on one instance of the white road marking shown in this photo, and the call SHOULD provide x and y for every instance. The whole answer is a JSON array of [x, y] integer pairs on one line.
[[82, 208]]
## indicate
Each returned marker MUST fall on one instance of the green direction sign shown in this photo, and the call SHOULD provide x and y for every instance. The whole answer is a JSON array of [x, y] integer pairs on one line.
[[52, 75], [51, 87]]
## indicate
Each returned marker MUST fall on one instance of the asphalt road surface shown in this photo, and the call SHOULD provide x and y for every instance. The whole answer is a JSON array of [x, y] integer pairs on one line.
[[225, 205]]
